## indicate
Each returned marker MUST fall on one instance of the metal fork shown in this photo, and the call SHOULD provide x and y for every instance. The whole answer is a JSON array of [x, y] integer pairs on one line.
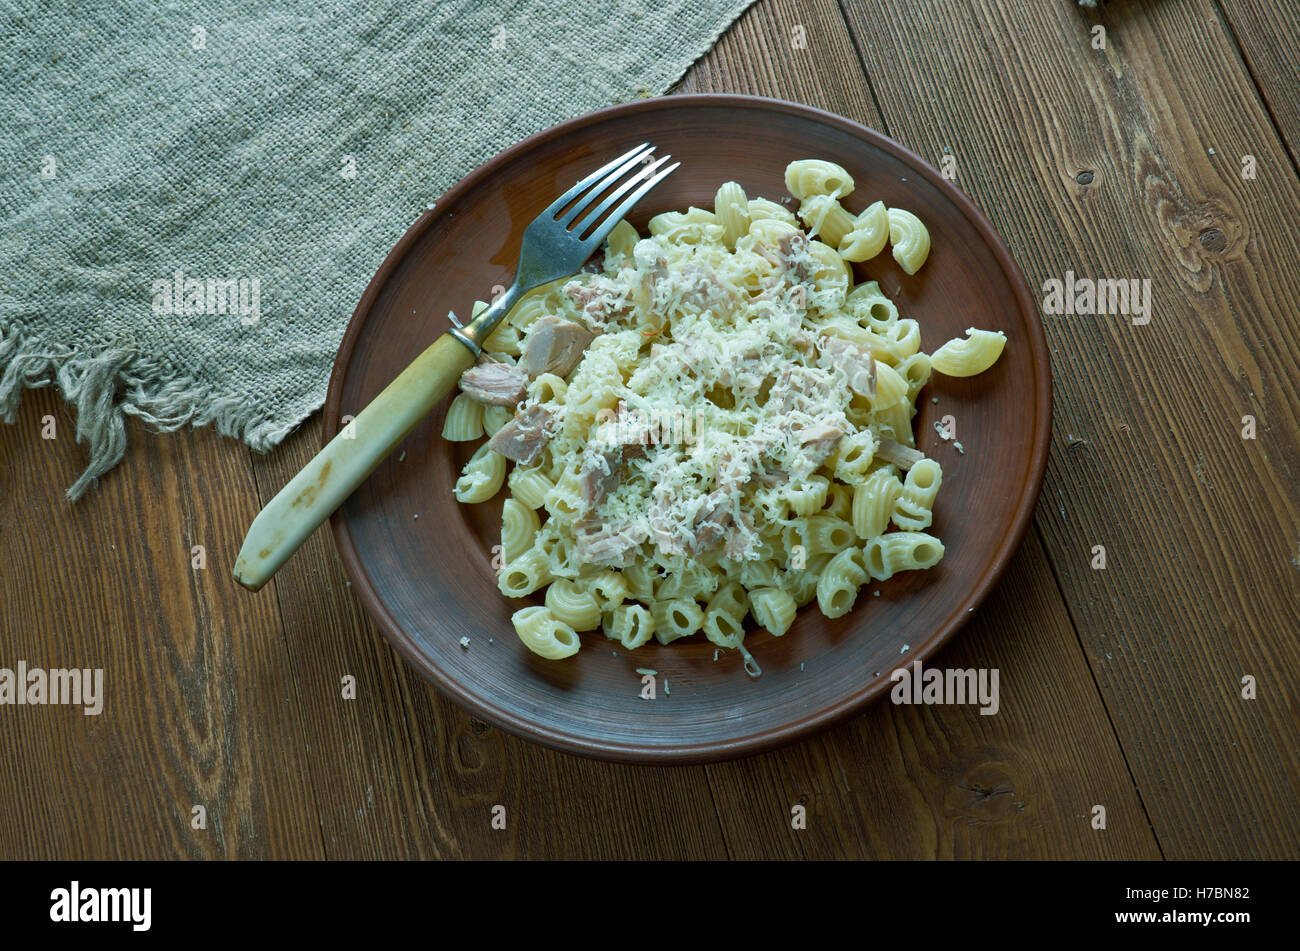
[[553, 247]]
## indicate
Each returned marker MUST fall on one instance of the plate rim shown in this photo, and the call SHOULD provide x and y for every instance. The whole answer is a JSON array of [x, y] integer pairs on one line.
[[705, 751]]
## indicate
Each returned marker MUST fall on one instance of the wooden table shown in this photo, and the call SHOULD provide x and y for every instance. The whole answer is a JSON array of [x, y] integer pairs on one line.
[[1121, 687]]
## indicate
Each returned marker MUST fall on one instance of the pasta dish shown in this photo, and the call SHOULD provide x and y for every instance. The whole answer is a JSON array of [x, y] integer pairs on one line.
[[710, 423]]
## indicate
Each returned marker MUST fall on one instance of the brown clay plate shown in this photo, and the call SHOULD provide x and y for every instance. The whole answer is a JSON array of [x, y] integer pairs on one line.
[[429, 581]]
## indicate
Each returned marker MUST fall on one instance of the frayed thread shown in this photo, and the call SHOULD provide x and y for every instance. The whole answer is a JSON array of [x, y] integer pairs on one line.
[[106, 385]]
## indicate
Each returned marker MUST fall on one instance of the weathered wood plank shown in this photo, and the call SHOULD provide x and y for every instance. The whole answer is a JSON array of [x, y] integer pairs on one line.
[[858, 776], [1099, 161], [944, 782], [197, 706], [1267, 34], [402, 771]]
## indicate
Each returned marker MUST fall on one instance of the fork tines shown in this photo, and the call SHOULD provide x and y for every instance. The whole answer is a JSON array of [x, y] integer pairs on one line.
[[595, 184]]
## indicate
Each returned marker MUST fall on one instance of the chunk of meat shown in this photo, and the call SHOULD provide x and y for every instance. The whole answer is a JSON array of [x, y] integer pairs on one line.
[[857, 363], [596, 297], [525, 436], [554, 346], [819, 439], [610, 546], [711, 522], [647, 295], [605, 469], [803, 341], [791, 256], [600, 476], [496, 384], [658, 271], [902, 456]]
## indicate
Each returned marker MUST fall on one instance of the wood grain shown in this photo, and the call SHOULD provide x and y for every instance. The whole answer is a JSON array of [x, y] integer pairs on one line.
[[756, 57], [403, 772], [1265, 34], [197, 707], [1199, 525], [945, 782], [1120, 687]]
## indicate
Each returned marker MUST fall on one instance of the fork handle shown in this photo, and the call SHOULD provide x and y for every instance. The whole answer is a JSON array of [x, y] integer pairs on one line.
[[345, 461]]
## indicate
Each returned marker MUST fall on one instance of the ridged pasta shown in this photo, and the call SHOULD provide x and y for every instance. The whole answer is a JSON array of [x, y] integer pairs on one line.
[[823, 533], [640, 584], [761, 208], [802, 585], [731, 598], [482, 476], [575, 607], [536, 303], [690, 227], [759, 574], [545, 635], [825, 218], [632, 625], [732, 210], [923, 481], [891, 388], [869, 305], [913, 510], [833, 274], [724, 628], [916, 371], [886, 555], [854, 456], [505, 339], [494, 417], [910, 240], [807, 497], [873, 502], [895, 422], [548, 388], [839, 501], [519, 527], [847, 329], [675, 618], [688, 580], [897, 342], [525, 574], [609, 587], [866, 235], [967, 357], [768, 231], [464, 420], [773, 608], [837, 589], [529, 486], [807, 177]]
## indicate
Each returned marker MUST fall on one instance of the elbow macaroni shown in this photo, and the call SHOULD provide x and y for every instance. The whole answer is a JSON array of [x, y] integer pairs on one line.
[[910, 239], [971, 356], [807, 531]]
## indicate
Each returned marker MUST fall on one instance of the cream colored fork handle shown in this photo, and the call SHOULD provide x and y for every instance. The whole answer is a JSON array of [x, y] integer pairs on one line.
[[347, 459]]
